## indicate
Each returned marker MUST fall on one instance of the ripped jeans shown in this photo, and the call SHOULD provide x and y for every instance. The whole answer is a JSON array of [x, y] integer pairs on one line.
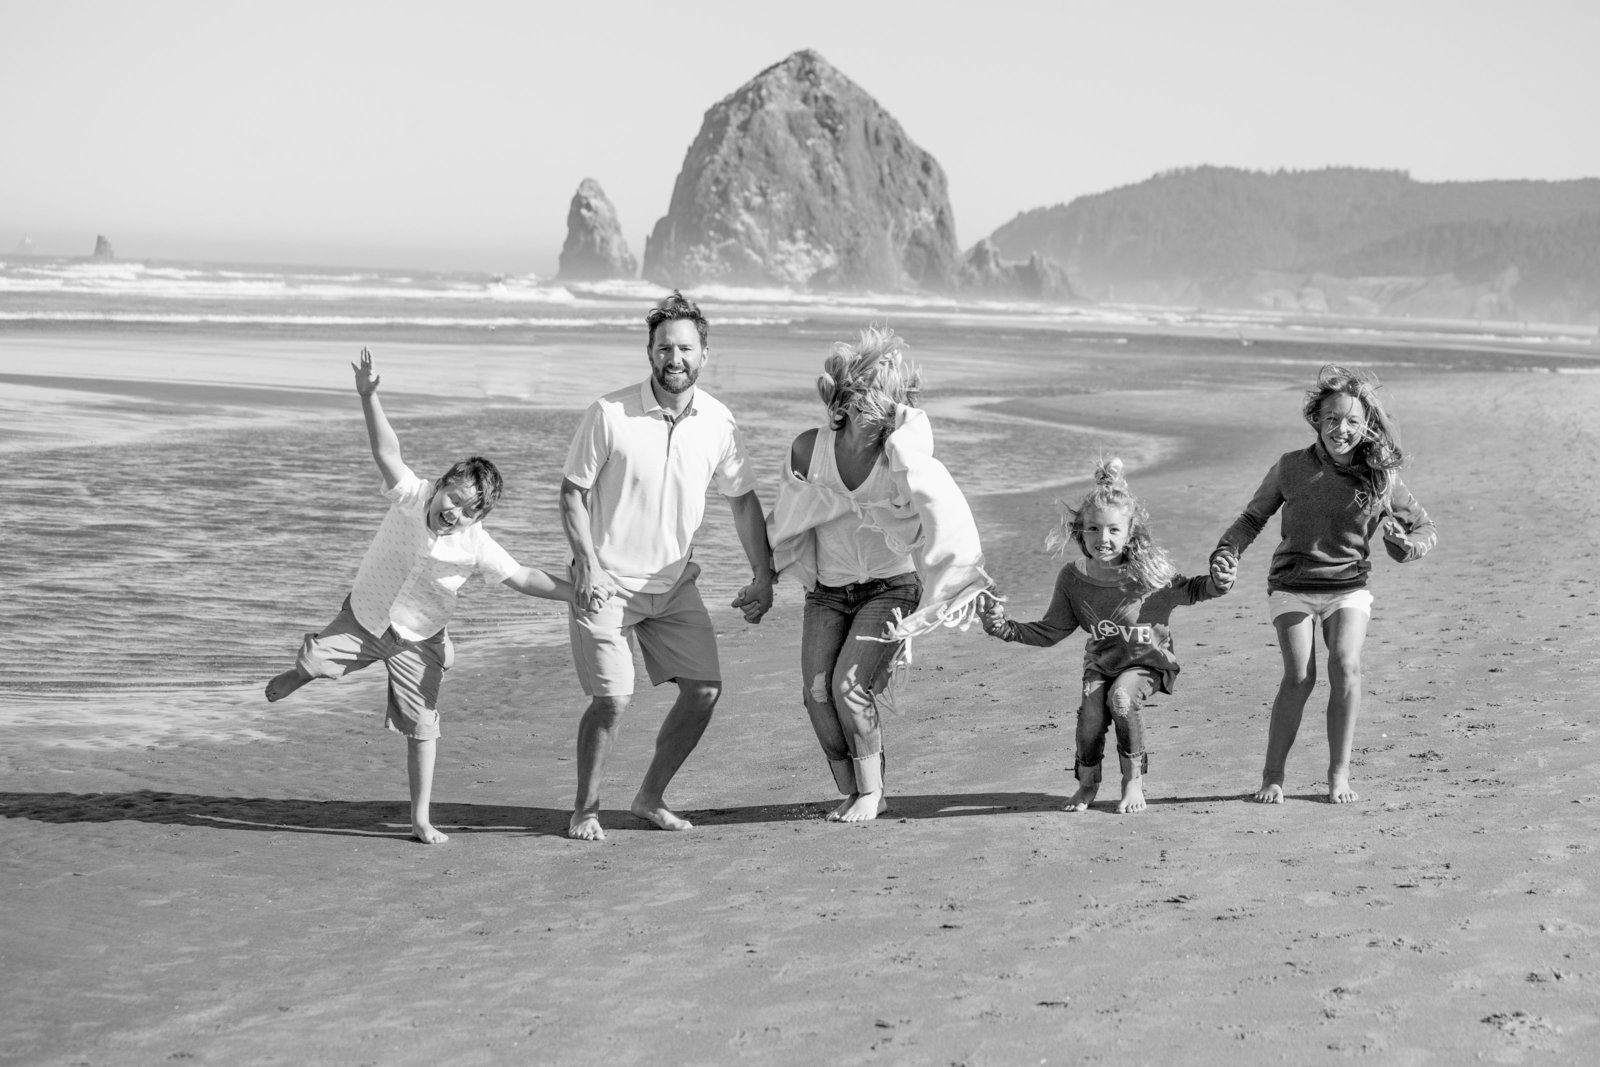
[[843, 678], [1113, 701]]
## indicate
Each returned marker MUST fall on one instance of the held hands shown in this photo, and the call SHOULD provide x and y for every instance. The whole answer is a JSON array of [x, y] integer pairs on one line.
[[992, 613], [755, 600], [591, 587], [1224, 570], [366, 377]]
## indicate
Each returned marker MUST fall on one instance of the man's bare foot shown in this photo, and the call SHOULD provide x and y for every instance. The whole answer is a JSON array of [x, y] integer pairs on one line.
[[864, 807], [286, 683], [1270, 793], [425, 833], [1085, 795], [1339, 791], [658, 815], [585, 826]]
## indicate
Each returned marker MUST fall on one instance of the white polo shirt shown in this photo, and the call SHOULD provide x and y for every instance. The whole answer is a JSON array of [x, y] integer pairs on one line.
[[647, 474], [409, 578]]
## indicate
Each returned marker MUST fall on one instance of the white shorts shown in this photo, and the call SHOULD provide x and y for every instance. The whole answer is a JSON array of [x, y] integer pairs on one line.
[[1318, 605]]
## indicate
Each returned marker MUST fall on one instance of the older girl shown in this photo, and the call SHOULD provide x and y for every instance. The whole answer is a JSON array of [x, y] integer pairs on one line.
[[1335, 496]]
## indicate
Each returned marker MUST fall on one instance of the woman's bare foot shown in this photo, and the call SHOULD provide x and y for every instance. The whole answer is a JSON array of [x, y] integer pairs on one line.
[[658, 815], [425, 833], [1132, 797], [1085, 795], [1339, 791], [1270, 792], [585, 826], [286, 683], [864, 807]]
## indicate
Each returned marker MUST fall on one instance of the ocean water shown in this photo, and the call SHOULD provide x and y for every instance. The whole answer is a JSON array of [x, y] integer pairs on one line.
[[190, 489]]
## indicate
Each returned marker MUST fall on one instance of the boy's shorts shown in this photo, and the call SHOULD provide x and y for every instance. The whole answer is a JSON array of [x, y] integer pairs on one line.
[[672, 630], [1318, 605], [415, 668]]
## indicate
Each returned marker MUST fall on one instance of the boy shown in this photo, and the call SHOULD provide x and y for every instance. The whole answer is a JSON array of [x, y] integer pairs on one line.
[[430, 543]]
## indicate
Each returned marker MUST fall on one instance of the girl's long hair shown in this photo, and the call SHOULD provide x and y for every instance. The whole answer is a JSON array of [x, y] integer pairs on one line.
[[1143, 563], [1378, 455], [871, 377]]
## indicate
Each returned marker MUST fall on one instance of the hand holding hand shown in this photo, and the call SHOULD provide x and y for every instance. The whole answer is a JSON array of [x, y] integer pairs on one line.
[[755, 600], [366, 377], [1224, 571], [591, 588], [992, 613]]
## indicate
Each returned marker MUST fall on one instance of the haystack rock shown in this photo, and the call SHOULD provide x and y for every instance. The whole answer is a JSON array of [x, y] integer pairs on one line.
[[595, 248], [102, 248], [1038, 278], [801, 179]]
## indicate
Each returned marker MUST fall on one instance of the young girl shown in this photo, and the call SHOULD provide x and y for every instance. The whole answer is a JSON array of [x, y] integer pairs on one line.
[[1122, 593], [1335, 495]]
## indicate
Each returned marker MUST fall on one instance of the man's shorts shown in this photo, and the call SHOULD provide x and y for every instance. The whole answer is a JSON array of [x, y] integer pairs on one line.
[[672, 630], [415, 668], [1318, 605]]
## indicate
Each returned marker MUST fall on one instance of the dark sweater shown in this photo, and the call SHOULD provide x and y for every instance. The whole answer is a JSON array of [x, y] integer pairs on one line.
[[1329, 518]]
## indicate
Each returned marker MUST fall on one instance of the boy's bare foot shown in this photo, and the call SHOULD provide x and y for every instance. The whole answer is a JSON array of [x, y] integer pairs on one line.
[[658, 815], [1132, 797], [1085, 795], [425, 833], [286, 683], [1270, 793], [1339, 791], [864, 807], [585, 826]]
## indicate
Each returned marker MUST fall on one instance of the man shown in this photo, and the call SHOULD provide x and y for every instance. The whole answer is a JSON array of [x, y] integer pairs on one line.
[[632, 496]]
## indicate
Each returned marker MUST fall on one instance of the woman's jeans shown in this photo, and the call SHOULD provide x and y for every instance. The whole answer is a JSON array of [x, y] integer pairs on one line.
[[1113, 701], [841, 673]]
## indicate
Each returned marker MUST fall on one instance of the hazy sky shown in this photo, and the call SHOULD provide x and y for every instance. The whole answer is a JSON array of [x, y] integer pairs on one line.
[[454, 134]]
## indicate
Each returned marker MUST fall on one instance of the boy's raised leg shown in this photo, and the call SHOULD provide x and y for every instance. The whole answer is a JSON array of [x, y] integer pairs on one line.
[[419, 768], [287, 682]]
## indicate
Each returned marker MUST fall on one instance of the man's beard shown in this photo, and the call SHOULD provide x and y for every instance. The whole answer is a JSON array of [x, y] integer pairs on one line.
[[682, 384]]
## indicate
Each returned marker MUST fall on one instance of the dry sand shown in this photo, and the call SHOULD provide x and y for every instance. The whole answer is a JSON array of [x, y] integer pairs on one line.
[[211, 902]]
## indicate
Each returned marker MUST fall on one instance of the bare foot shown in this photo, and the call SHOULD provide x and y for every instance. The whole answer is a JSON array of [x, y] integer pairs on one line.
[[425, 833], [1339, 791], [844, 805], [865, 807], [286, 683], [1270, 793], [1085, 795], [1132, 797], [585, 826], [658, 815]]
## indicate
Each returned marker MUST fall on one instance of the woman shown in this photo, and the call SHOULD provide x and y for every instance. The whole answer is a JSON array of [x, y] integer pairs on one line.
[[885, 546]]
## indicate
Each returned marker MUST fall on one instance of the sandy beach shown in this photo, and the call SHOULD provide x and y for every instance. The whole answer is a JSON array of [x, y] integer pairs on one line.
[[257, 901]]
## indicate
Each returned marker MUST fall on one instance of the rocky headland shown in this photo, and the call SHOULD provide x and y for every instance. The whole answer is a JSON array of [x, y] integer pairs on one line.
[[595, 249]]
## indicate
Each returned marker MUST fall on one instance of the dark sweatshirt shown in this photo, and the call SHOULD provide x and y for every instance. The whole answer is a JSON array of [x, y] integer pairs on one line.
[[1329, 519]]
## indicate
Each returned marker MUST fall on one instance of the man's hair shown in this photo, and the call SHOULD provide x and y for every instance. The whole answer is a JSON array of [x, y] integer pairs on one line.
[[480, 474], [670, 308]]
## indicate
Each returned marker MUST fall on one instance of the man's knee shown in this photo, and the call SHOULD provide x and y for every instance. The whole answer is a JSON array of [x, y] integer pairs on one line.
[[607, 710], [698, 694]]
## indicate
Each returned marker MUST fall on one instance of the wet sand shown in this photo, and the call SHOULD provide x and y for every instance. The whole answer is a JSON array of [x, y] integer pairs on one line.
[[257, 901]]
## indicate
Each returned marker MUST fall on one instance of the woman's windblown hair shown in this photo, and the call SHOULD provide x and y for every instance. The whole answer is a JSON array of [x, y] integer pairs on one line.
[[1379, 455], [871, 378], [1143, 564]]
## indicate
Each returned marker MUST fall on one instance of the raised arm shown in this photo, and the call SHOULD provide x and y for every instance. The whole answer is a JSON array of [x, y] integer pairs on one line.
[[754, 599], [380, 435]]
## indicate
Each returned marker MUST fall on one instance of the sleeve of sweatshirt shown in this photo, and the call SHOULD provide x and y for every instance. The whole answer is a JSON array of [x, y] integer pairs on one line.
[[1253, 519], [1059, 620], [1420, 531]]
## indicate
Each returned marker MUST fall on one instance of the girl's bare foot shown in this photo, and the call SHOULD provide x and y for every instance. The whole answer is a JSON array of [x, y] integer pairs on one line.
[[1270, 793], [1339, 791], [425, 833], [865, 807], [1132, 797], [844, 805], [585, 826], [286, 683]]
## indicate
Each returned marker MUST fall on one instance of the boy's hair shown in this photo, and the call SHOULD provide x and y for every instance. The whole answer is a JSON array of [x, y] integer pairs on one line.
[[479, 473], [1379, 452], [673, 307], [1142, 562], [871, 377]]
